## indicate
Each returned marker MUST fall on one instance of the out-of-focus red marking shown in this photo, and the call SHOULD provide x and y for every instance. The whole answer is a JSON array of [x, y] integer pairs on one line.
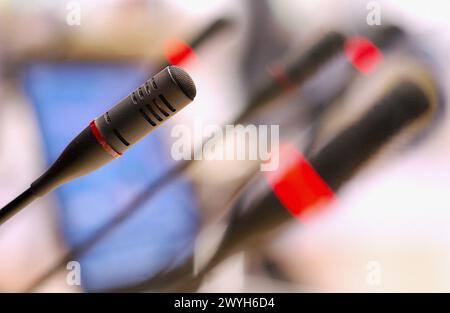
[[177, 51], [363, 54], [278, 73], [102, 141], [296, 184]]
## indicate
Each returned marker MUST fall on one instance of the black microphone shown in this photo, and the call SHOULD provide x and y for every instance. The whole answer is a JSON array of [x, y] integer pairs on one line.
[[111, 134], [334, 164], [307, 181]]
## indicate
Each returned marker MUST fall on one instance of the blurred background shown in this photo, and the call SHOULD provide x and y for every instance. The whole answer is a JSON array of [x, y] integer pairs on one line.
[[62, 63]]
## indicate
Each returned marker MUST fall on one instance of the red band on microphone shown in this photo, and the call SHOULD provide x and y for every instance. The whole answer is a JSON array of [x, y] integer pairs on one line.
[[102, 141], [296, 184], [177, 51], [363, 54]]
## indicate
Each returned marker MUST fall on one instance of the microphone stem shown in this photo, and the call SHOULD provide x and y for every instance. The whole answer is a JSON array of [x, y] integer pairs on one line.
[[24, 199]]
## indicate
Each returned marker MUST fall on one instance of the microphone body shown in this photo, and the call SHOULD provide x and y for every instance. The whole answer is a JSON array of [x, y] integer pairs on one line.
[[113, 133]]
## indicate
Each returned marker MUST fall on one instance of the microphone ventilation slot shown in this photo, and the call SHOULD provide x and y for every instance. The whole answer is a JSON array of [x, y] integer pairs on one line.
[[120, 137], [154, 113], [153, 109], [147, 88], [134, 98], [160, 108], [140, 93], [167, 103], [147, 118]]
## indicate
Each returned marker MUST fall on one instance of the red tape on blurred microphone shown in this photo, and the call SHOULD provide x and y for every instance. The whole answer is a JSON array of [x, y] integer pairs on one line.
[[363, 54], [177, 51], [296, 184]]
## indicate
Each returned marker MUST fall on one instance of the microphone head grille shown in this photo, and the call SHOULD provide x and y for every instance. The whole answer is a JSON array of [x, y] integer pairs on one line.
[[184, 81]]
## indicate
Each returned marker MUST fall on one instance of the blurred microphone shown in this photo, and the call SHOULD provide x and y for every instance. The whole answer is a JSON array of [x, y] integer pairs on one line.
[[114, 132], [184, 50], [293, 71], [299, 185]]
